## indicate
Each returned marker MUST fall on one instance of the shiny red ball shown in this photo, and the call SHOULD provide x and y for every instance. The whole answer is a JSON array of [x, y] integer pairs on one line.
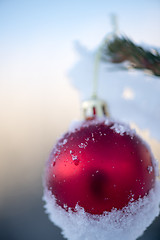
[[99, 168]]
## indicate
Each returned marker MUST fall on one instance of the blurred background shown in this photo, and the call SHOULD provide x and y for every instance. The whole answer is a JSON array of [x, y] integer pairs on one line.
[[37, 100]]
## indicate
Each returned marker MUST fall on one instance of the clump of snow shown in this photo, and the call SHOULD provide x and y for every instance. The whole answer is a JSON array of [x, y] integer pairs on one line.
[[76, 124], [74, 157], [82, 145], [65, 141], [127, 224], [150, 169], [122, 129], [132, 96], [117, 126], [119, 129]]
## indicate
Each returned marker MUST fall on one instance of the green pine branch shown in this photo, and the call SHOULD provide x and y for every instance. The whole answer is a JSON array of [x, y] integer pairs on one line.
[[122, 49]]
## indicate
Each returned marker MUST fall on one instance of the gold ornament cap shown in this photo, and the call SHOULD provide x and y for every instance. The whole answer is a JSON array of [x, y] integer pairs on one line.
[[94, 107]]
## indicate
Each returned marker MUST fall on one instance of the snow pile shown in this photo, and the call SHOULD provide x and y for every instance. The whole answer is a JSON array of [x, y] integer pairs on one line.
[[117, 126], [132, 96], [122, 128], [127, 224]]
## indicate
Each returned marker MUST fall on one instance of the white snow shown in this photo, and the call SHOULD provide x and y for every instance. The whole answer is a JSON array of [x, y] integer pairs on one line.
[[150, 169], [64, 141], [82, 145], [75, 125], [118, 127], [122, 128], [132, 96], [127, 224]]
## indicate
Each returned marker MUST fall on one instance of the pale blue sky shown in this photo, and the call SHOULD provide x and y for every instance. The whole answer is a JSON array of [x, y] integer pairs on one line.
[[37, 30], [60, 21], [37, 39]]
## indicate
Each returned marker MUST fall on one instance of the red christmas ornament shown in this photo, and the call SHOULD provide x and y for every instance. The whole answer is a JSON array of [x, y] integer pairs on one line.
[[101, 165]]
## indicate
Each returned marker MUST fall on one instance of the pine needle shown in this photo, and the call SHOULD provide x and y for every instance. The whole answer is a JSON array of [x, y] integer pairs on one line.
[[121, 49]]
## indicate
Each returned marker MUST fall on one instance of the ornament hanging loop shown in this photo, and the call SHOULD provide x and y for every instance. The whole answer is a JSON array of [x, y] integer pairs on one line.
[[95, 107]]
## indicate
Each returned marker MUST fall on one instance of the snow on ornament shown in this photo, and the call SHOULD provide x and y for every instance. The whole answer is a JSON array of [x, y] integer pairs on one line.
[[101, 180]]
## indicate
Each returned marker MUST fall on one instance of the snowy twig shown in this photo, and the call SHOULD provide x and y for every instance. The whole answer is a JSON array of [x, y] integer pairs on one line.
[[121, 49]]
